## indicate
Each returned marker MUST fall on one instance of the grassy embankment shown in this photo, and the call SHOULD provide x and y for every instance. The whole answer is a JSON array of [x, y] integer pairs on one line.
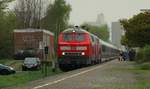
[[140, 72], [21, 77]]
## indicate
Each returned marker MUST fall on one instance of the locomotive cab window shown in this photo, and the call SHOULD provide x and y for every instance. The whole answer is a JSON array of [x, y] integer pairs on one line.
[[80, 37], [68, 37], [74, 37]]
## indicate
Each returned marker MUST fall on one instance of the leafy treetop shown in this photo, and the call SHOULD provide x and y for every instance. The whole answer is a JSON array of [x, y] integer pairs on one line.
[[137, 30]]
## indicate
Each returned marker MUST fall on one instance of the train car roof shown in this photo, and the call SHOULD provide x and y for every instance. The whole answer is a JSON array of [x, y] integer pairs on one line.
[[108, 44]]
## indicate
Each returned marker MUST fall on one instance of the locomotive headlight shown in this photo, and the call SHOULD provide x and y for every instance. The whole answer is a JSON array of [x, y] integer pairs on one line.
[[83, 53], [81, 48], [63, 53], [65, 48]]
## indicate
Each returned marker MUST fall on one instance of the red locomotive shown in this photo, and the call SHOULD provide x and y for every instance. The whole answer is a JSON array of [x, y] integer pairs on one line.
[[77, 47]]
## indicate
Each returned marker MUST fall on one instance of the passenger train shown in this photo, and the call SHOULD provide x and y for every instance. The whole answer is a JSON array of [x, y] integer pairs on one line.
[[78, 47]]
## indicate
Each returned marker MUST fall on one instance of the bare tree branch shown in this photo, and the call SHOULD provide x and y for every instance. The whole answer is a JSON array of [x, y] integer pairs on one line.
[[29, 13]]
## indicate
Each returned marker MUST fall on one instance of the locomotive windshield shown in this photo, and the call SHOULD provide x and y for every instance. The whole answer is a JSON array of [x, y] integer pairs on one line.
[[67, 37], [80, 37], [74, 37]]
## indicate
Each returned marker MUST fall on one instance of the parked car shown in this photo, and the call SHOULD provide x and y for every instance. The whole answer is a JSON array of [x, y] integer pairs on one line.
[[31, 63], [5, 70]]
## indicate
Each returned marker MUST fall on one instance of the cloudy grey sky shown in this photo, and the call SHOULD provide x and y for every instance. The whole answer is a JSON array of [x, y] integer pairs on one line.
[[87, 10]]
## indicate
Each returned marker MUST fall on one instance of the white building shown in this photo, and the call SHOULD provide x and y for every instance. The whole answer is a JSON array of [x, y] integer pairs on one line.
[[117, 32]]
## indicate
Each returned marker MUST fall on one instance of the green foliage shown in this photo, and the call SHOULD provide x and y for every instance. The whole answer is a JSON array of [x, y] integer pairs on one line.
[[143, 54], [139, 56], [124, 40], [146, 53], [21, 78], [6, 39], [7, 24], [102, 32], [145, 66], [57, 16], [137, 29]]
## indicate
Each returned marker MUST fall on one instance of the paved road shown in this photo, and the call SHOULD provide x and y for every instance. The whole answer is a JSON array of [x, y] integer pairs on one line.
[[102, 76]]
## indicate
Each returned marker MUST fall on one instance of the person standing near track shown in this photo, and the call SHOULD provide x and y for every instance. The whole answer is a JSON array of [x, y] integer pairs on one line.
[[131, 55], [121, 56], [125, 56]]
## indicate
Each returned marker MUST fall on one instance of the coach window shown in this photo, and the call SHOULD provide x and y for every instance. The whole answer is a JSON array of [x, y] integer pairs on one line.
[[103, 48]]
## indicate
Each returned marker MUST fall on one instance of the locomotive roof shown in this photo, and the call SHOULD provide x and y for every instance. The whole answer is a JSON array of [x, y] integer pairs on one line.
[[78, 30]]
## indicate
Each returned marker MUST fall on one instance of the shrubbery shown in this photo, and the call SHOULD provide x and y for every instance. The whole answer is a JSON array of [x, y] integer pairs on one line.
[[146, 53], [139, 55], [143, 54], [145, 66]]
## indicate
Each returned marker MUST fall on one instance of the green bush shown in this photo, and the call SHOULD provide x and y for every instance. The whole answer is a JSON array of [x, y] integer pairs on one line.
[[143, 54], [146, 53], [145, 66], [139, 55]]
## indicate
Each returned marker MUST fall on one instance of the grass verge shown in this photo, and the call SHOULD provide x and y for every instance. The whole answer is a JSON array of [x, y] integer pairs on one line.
[[141, 73], [21, 77]]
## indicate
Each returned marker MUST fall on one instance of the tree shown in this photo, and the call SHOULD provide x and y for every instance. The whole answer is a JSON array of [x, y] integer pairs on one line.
[[7, 24], [124, 40], [57, 16], [102, 32], [29, 13], [3, 4], [137, 30]]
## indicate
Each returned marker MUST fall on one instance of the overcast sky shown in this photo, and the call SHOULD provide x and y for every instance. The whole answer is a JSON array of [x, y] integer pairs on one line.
[[87, 10]]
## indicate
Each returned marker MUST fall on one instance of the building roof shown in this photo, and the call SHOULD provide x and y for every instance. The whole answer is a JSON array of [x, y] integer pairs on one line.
[[32, 30]]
